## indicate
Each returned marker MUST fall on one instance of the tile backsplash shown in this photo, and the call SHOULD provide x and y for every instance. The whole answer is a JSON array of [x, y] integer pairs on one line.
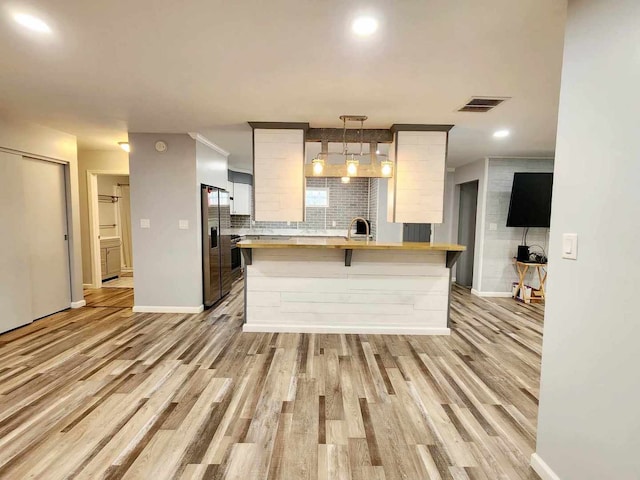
[[346, 200]]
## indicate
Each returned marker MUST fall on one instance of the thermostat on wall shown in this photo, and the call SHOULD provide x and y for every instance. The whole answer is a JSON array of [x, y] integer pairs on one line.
[[161, 146]]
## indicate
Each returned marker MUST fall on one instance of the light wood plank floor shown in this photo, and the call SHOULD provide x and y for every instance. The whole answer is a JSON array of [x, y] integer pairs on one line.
[[100, 392]]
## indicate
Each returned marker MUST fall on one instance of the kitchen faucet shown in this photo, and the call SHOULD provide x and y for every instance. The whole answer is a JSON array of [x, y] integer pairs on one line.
[[366, 226]]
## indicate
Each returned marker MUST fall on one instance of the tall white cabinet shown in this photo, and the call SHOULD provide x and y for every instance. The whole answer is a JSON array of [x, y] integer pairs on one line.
[[278, 173], [416, 192]]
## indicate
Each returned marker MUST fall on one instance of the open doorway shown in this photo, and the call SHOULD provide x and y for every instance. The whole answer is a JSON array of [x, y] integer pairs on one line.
[[110, 230], [468, 206]]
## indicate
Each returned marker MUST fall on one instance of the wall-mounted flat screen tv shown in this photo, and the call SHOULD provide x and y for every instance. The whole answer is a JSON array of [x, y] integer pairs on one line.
[[530, 204]]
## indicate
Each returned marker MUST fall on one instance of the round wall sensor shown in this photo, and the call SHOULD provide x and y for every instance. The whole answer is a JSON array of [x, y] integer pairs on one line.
[[161, 146]]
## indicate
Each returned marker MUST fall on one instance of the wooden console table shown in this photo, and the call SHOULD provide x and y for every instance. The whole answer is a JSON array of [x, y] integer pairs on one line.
[[523, 268]]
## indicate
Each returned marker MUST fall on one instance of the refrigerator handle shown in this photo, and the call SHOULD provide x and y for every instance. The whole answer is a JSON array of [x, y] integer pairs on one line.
[[214, 237]]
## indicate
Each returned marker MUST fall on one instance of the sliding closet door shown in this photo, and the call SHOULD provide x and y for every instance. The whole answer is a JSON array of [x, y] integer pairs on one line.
[[46, 213], [15, 281]]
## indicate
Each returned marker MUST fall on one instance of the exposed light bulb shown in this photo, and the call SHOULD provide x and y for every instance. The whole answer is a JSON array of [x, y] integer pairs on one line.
[[125, 146], [318, 166], [345, 179], [386, 168], [352, 167]]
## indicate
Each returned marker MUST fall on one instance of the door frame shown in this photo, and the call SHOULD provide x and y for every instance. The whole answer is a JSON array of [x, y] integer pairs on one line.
[[94, 221], [458, 197]]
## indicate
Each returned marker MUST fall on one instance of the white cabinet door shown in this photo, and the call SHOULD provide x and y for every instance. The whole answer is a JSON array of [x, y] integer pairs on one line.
[[15, 274], [416, 192], [241, 199], [278, 175]]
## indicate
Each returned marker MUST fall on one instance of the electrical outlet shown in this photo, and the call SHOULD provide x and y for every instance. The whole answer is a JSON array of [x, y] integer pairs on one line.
[[333, 223], [493, 227], [183, 224], [145, 223]]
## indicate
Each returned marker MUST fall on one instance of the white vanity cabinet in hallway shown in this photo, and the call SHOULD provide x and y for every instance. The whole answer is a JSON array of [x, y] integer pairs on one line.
[[110, 259]]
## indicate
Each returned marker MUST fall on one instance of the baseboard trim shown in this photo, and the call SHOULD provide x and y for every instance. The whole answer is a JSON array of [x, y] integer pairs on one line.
[[78, 304], [87, 285], [491, 294], [155, 309], [542, 469], [345, 329]]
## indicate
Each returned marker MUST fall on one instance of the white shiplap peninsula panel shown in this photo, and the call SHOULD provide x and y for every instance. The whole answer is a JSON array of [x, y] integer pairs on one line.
[[311, 290], [278, 175], [416, 194]]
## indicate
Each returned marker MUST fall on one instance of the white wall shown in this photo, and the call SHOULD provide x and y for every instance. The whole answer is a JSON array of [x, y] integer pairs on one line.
[[589, 425], [165, 189], [104, 161], [34, 140], [501, 245]]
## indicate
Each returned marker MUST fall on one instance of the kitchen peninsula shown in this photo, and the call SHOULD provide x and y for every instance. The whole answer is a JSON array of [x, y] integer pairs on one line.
[[334, 285]]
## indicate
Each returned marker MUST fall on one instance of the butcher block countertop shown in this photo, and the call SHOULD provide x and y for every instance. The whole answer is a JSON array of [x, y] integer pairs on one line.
[[343, 244]]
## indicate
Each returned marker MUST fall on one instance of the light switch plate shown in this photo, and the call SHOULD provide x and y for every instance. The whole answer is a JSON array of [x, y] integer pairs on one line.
[[183, 224], [145, 223], [570, 246]]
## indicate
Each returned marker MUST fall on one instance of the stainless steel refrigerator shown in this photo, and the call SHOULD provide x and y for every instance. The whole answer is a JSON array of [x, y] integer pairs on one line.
[[216, 244]]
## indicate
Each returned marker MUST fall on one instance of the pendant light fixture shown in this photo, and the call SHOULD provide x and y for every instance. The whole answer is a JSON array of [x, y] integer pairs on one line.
[[373, 164]]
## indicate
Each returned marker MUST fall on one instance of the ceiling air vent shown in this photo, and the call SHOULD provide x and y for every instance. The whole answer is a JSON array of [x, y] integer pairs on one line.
[[482, 104]]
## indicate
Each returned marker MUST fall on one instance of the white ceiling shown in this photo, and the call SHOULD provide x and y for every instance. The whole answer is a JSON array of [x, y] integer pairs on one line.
[[210, 66]]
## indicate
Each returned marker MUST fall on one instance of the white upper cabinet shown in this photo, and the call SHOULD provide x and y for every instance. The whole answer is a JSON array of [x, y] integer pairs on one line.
[[416, 192], [278, 175], [241, 204]]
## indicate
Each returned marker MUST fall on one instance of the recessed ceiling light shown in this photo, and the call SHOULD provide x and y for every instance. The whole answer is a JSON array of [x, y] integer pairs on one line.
[[501, 133], [125, 146], [32, 23], [364, 26]]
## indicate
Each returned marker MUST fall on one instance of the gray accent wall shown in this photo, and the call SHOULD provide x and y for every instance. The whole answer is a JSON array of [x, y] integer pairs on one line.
[[501, 244], [165, 189]]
